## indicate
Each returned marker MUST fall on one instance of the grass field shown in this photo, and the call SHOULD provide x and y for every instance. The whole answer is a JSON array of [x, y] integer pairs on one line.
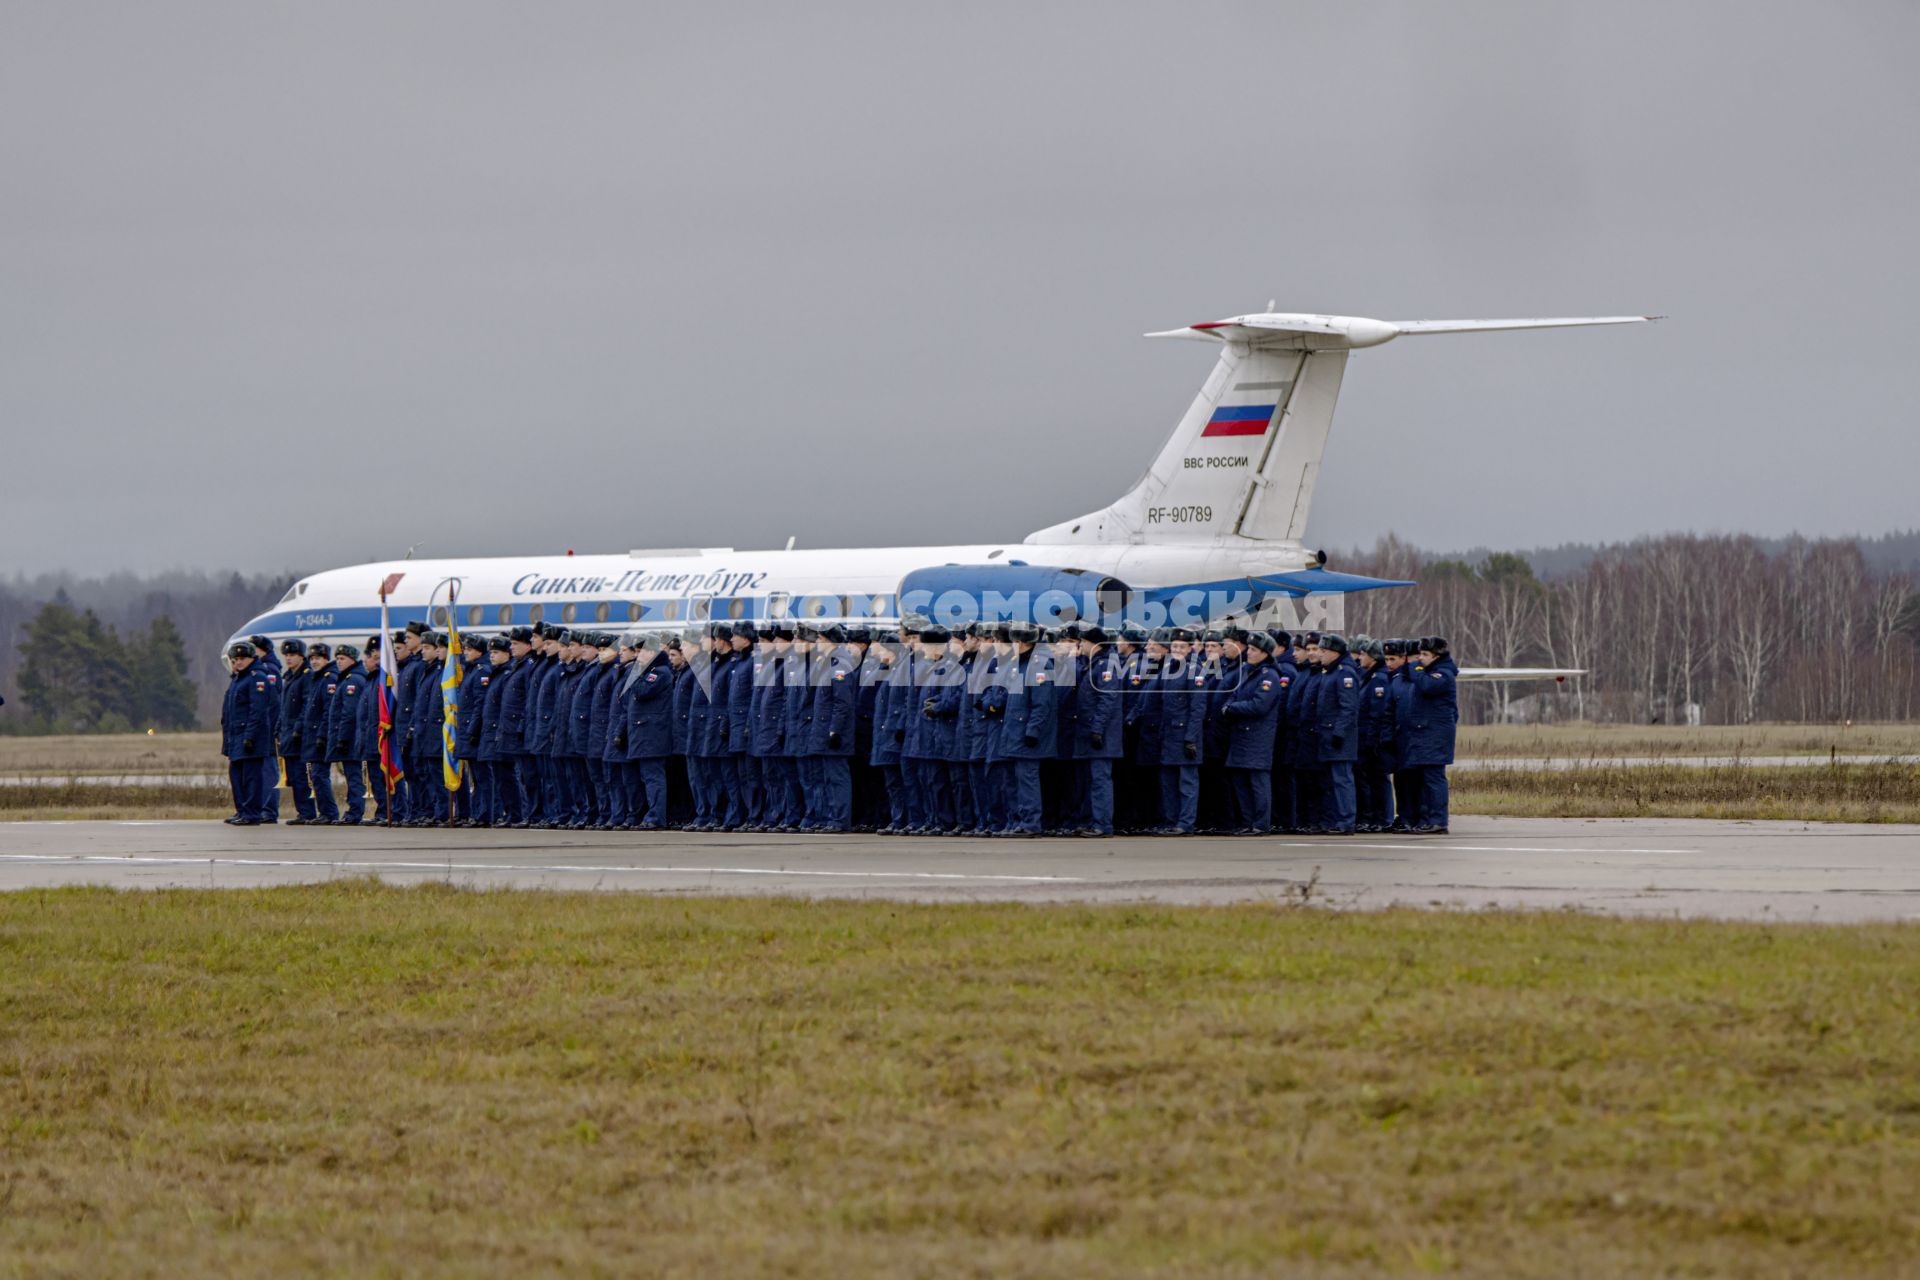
[[430, 1081], [1600, 741], [1876, 792]]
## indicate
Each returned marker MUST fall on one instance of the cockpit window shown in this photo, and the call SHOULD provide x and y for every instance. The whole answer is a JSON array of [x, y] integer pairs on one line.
[[293, 591]]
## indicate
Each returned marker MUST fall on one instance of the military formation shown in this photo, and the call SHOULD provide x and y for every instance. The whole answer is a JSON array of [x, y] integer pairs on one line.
[[982, 730]]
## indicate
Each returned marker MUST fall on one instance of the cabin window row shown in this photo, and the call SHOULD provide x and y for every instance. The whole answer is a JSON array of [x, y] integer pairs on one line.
[[697, 609]]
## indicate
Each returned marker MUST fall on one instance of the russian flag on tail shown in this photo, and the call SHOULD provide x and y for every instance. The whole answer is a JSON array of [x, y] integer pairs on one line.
[[1240, 420]]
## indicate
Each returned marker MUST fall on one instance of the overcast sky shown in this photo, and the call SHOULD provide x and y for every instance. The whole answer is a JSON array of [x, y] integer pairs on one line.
[[286, 286]]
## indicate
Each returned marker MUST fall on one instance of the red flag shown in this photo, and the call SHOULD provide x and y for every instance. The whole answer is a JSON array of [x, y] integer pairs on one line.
[[389, 767]]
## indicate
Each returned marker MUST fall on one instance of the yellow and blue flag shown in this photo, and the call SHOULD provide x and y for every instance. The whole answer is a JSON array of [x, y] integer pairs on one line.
[[451, 766]]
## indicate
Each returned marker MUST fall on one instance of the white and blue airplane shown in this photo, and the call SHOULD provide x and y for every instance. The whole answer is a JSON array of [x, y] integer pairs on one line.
[[1212, 532]]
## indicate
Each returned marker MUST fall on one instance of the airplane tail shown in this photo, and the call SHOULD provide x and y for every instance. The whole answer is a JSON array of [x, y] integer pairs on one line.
[[1243, 461]]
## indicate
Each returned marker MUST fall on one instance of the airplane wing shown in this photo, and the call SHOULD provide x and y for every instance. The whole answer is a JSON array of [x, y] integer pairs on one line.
[[1557, 674]]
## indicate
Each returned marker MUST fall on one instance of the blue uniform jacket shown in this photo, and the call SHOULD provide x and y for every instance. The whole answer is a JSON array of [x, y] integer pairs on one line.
[[470, 731], [890, 697], [1282, 726], [1250, 713], [322, 690], [1336, 709], [681, 711], [797, 707], [546, 687], [1182, 695], [721, 673], [1427, 736], [1143, 708], [836, 706], [1376, 713], [740, 702], [247, 715], [767, 718], [1223, 681], [507, 729], [291, 725], [1030, 717], [1099, 706], [1299, 742], [649, 700], [343, 717]]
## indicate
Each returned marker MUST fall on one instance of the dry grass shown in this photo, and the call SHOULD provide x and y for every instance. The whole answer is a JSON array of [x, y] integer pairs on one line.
[[113, 753], [361, 1079], [1878, 792], [1584, 741]]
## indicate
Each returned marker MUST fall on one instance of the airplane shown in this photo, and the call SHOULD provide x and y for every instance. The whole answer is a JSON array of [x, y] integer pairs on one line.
[[1211, 533]]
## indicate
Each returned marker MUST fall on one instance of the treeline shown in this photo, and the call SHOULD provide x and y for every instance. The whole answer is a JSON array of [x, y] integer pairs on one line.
[[1723, 629], [79, 675], [203, 609]]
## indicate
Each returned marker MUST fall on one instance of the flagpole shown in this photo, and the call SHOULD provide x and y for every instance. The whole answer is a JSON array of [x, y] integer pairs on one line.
[[450, 712]]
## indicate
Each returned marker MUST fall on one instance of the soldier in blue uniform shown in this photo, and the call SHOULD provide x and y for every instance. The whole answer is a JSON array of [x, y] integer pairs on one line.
[[1298, 738], [767, 728], [1428, 736], [555, 811], [1143, 712], [930, 727], [474, 804], [295, 688], [679, 787], [869, 795], [1181, 693], [1220, 678], [246, 733], [314, 764], [629, 800], [342, 731], [745, 793], [1281, 776], [1024, 702], [1250, 714], [1337, 734], [267, 665], [831, 734], [651, 730], [1373, 771], [366, 736], [1097, 710], [889, 730], [699, 695], [404, 653], [1136, 798], [510, 729]]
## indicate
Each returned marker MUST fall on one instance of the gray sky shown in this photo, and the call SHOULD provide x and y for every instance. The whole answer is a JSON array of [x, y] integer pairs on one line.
[[297, 285]]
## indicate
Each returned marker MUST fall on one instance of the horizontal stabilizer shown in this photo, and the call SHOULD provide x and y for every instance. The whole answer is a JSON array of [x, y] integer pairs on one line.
[[1346, 333], [1519, 673], [1321, 582]]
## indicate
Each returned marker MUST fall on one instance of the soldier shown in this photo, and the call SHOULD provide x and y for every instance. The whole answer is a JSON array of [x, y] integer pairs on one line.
[[1097, 719], [475, 803], [651, 728], [927, 749], [1142, 701], [744, 792], [869, 795], [246, 733], [350, 693], [295, 689], [767, 729], [314, 763], [267, 665], [555, 811], [1281, 778], [1025, 706], [429, 710], [509, 728], [1373, 771], [831, 734], [889, 731], [406, 659], [1406, 789], [366, 735], [1181, 693], [608, 780], [1337, 734], [1251, 713], [629, 798], [1429, 736], [1220, 677], [1062, 668], [1300, 748], [679, 789], [974, 729]]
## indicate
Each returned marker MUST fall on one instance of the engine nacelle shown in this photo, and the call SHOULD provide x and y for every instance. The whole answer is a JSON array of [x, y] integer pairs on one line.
[[958, 594]]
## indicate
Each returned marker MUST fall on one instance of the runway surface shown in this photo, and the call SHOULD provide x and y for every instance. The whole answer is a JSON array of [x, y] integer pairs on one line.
[[1652, 867]]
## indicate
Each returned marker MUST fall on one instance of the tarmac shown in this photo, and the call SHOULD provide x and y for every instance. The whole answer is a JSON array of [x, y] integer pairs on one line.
[[1789, 871]]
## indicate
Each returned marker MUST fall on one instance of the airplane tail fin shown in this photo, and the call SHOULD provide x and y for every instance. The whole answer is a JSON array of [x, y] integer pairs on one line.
[[1243, 461]]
